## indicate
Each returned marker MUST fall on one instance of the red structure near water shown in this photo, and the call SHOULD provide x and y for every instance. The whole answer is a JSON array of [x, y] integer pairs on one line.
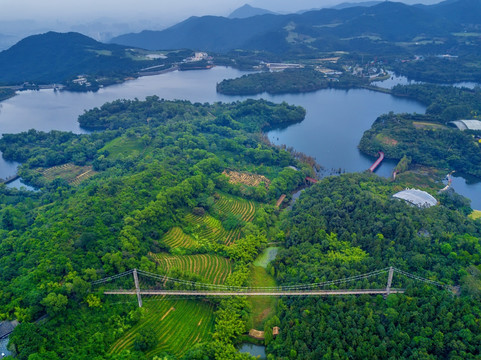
[[378, 161]]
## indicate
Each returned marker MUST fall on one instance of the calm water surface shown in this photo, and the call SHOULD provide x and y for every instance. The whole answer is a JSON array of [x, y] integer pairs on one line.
[[334, 124], [255, 350], [469, 188]]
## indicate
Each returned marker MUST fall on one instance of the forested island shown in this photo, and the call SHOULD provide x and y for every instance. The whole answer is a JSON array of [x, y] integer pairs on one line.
[[287, 81], [427, 139]]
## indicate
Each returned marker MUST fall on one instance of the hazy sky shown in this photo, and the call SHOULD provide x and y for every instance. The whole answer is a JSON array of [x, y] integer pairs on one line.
[[168, 10]]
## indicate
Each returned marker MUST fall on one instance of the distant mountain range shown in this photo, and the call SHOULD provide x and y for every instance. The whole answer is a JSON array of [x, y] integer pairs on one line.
[[246, 11], [346, 5], [54, 57], [349, 28]]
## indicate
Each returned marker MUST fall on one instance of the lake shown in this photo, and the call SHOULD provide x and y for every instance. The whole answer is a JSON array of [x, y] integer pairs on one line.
[[334, 123]]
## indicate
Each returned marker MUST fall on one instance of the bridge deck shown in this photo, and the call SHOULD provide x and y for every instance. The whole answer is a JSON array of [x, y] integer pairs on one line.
[[378, 161], [257, 293]]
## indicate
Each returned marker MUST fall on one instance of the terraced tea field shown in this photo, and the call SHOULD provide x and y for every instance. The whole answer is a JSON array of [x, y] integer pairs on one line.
[[181, 323], [176, 238], [229, 204], [73, 174], [178, 324], [209, 228], [215, 269]]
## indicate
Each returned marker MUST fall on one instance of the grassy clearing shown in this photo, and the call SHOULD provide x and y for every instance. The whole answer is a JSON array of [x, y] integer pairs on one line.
[[266, 257], [178, 324], [427, 125], [176, 238], [102, 52], [422, 176], [124, 146], [73, 174], [215, 269], [386, 140], [476, 214], [262, 307]]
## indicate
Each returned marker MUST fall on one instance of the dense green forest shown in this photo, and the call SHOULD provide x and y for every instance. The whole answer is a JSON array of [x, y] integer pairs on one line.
[[444, 103], [157, 169], [287, 81], [350, 225], [441, 70]]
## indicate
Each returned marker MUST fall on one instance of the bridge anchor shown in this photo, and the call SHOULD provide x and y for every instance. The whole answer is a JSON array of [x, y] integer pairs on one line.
[[137, 287], [389, 281]]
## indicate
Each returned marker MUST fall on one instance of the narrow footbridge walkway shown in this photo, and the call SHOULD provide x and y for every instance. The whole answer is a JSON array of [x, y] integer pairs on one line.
[[164, 285]]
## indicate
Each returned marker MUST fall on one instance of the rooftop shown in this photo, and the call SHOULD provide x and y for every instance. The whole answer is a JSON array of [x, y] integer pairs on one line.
[[6, 327], [467, 124], [416, 197]]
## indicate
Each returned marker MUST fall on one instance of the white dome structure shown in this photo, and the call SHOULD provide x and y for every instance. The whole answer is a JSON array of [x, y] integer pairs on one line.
[[416, 197]]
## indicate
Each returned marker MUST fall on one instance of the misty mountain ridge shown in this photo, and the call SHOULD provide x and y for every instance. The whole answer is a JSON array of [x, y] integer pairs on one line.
[[246, 11], [346, 5], [326, 29]]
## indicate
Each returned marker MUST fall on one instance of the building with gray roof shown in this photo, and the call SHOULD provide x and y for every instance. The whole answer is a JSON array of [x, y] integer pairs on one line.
[[6, 327]]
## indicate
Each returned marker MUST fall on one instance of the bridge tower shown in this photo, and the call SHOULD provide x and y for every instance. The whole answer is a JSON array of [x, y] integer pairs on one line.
[[137, 287], [389, 281]]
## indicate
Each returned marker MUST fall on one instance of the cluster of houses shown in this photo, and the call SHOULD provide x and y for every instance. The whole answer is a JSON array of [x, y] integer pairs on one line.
[[198, 56], [82, 81]]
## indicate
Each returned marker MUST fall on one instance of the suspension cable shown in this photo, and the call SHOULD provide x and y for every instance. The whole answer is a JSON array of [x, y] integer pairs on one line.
[[310, 286]]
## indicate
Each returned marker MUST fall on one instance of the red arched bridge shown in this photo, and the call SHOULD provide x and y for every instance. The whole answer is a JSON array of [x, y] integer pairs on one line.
[[171, 286]]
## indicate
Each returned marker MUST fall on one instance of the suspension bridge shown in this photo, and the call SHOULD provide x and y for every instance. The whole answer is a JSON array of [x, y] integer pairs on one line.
[[178, 287]]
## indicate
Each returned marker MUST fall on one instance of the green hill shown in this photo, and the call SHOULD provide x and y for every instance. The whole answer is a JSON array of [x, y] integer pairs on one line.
[[55, 57]]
